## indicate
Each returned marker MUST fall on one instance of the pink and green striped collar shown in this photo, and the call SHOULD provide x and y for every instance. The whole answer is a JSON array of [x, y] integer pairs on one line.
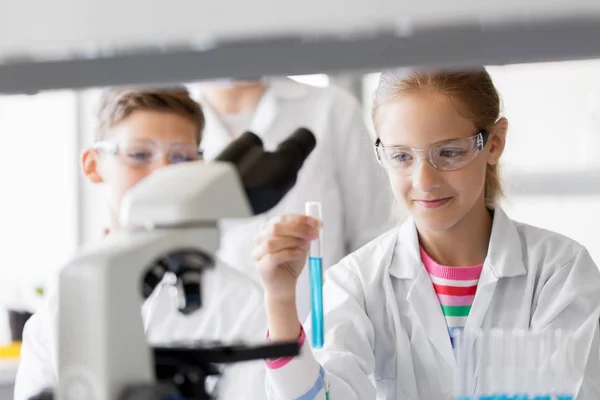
[[455, 273]]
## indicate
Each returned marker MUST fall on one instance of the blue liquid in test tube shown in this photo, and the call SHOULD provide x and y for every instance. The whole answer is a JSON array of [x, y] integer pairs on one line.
[[315, 266], [316, 287]]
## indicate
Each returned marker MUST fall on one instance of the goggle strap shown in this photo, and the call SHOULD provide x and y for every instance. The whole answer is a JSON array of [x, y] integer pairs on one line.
[[482, 138], [377, 143]]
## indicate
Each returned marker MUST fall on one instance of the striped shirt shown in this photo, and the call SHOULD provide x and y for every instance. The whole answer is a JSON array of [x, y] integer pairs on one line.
[[455, 288]]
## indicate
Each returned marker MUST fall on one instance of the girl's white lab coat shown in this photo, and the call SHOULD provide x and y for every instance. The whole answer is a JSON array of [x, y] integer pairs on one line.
[[232, 311], [342, 173], [386, 337]]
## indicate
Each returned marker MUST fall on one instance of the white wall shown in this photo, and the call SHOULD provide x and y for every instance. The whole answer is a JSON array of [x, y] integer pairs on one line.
[[553, 111], [38, 174]]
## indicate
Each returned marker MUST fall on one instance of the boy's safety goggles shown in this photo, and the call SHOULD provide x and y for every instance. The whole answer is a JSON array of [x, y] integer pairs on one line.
[[145, 153]]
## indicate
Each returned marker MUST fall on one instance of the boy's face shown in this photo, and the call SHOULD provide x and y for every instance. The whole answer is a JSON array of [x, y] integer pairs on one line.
[[134, 148]]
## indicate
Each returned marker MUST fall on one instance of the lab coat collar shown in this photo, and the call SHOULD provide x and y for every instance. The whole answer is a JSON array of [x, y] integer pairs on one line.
[[504, 258], [280, 88], [287, 89], [216, 137], [406, 262]]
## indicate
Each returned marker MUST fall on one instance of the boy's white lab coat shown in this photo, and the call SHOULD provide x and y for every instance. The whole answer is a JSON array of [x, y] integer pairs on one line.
[[232, 311], [342, 173], [386, 337]]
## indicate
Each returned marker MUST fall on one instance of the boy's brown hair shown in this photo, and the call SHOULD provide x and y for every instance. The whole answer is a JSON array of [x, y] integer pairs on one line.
[[117, 104]]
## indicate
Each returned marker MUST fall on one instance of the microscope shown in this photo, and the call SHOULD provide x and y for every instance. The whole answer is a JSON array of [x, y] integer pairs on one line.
[[169, 224]]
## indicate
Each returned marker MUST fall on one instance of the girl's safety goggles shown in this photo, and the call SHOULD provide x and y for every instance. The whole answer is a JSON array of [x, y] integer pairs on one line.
[[449, 155]]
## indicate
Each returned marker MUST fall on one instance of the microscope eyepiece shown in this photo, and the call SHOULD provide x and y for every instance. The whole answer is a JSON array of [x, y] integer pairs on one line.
[[268, 176], [302, 142], [237, 150]]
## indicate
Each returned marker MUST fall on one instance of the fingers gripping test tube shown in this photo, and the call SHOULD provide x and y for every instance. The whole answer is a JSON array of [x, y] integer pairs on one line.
[[315, 266]]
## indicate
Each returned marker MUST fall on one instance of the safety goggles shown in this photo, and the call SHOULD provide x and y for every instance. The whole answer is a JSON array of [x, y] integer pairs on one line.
[[449, 155], [145, 153]]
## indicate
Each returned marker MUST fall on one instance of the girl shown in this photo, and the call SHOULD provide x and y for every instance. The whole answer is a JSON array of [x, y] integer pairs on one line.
[[459, 262]]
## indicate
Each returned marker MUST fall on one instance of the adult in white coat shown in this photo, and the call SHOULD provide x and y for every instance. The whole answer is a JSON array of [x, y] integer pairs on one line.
[[354, 213], [392, 307], [140, 131]]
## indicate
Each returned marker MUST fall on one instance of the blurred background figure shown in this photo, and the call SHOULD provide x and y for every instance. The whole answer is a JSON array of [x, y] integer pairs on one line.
[[342, 172]]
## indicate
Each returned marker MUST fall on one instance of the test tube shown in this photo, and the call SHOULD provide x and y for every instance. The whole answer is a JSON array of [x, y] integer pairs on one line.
[[498, 373], [542, 364], [562, 370], [485, 369], [517, 364], [315, 266], [465, 366], [509, 366], [461, 372]]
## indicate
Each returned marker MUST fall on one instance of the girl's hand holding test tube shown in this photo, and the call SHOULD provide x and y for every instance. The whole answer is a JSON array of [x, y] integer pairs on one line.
[[281, 252]]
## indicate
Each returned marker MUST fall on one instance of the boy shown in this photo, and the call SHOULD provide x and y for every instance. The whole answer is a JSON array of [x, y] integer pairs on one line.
[[138, 132]]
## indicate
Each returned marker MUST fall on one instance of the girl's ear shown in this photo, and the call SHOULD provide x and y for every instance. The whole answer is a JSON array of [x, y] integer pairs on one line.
[[497, 140]]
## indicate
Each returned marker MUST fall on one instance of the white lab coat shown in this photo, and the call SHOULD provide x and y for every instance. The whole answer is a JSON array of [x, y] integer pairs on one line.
[[342, 173], [232, 311], [386, 337]]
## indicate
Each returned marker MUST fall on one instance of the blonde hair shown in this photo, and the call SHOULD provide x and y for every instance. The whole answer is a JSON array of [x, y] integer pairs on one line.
[[472, 89], [118, 104]]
